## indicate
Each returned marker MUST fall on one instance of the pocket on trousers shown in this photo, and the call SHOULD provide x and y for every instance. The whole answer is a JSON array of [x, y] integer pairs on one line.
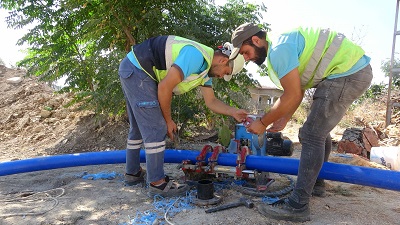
[[126, 68], [353, 89], [323, 89], [148, 104], [125, 73]]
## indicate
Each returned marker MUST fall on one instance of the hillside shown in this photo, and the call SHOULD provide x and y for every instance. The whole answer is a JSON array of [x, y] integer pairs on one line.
[[34, 120]]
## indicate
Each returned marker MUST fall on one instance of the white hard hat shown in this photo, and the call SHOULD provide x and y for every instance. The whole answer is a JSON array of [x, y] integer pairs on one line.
[[236, 64]]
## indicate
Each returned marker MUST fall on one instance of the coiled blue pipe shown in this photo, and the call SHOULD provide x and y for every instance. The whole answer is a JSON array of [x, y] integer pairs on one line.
[[386, 179]]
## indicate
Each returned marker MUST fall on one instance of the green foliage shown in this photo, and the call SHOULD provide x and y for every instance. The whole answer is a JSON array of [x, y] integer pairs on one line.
[[385, 67], [300, 115], [373, 92], [224, 135], [84, 41]]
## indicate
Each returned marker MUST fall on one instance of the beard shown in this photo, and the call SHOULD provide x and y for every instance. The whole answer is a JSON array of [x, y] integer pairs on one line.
[[214, 71], [211, 72], [261, 54]]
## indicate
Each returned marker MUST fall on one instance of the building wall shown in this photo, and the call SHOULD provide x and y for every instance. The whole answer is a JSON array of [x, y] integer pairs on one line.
[[263, 98]]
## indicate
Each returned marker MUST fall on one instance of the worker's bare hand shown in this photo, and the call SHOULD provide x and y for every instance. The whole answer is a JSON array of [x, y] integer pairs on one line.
[[171, 129], [240, 115], [255, 127], [278, 125]]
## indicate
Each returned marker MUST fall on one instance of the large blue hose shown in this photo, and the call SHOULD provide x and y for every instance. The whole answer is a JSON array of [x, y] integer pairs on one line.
[[379, 178]]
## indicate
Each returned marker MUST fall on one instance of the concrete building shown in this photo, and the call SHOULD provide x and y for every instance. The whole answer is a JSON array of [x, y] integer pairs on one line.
[[264, 97]]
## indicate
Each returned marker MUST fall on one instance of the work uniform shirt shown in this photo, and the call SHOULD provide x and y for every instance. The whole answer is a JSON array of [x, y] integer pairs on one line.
[[190, 61], [285, 53]]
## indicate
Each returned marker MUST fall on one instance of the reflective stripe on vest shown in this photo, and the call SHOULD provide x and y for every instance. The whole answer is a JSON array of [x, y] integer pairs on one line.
[[192, 80], [132, 57], [189, 82], [169, 61], [315, 66]]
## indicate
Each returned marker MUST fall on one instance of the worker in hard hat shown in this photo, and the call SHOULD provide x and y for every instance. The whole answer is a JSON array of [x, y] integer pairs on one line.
[[150, 74], [302, 59]]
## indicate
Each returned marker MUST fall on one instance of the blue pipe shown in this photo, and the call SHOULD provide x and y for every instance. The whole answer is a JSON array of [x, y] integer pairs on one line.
[[386, 179]]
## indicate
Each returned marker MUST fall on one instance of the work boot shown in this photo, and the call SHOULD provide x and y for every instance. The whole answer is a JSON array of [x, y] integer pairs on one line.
[[282, 210], [134, 179], [319, 189]]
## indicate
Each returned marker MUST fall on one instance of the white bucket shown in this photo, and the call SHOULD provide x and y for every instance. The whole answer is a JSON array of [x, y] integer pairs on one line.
[[387, 156]]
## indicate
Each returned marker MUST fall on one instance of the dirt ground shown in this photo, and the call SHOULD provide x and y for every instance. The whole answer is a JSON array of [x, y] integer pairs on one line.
[[34, 123]]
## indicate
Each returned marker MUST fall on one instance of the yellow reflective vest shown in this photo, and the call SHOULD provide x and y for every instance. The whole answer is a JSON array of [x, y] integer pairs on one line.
[[172, 48], [325, 53]]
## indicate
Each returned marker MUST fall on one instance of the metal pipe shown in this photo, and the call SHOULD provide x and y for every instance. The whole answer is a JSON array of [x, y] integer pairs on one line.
[[379, 178], [389, 101]]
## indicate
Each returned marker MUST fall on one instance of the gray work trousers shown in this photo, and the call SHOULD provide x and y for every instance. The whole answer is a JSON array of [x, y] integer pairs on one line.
[[331, 100], [147, 124]]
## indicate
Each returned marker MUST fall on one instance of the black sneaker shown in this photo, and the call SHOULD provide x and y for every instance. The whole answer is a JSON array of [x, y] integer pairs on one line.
[[282, 210], [319, 189]]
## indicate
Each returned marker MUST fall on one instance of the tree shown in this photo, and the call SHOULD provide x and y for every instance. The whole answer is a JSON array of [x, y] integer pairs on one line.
[[385, 67], [84, 41]]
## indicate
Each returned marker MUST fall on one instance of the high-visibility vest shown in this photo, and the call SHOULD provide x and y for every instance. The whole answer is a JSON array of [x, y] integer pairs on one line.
[[172, 48], [325, 53]]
